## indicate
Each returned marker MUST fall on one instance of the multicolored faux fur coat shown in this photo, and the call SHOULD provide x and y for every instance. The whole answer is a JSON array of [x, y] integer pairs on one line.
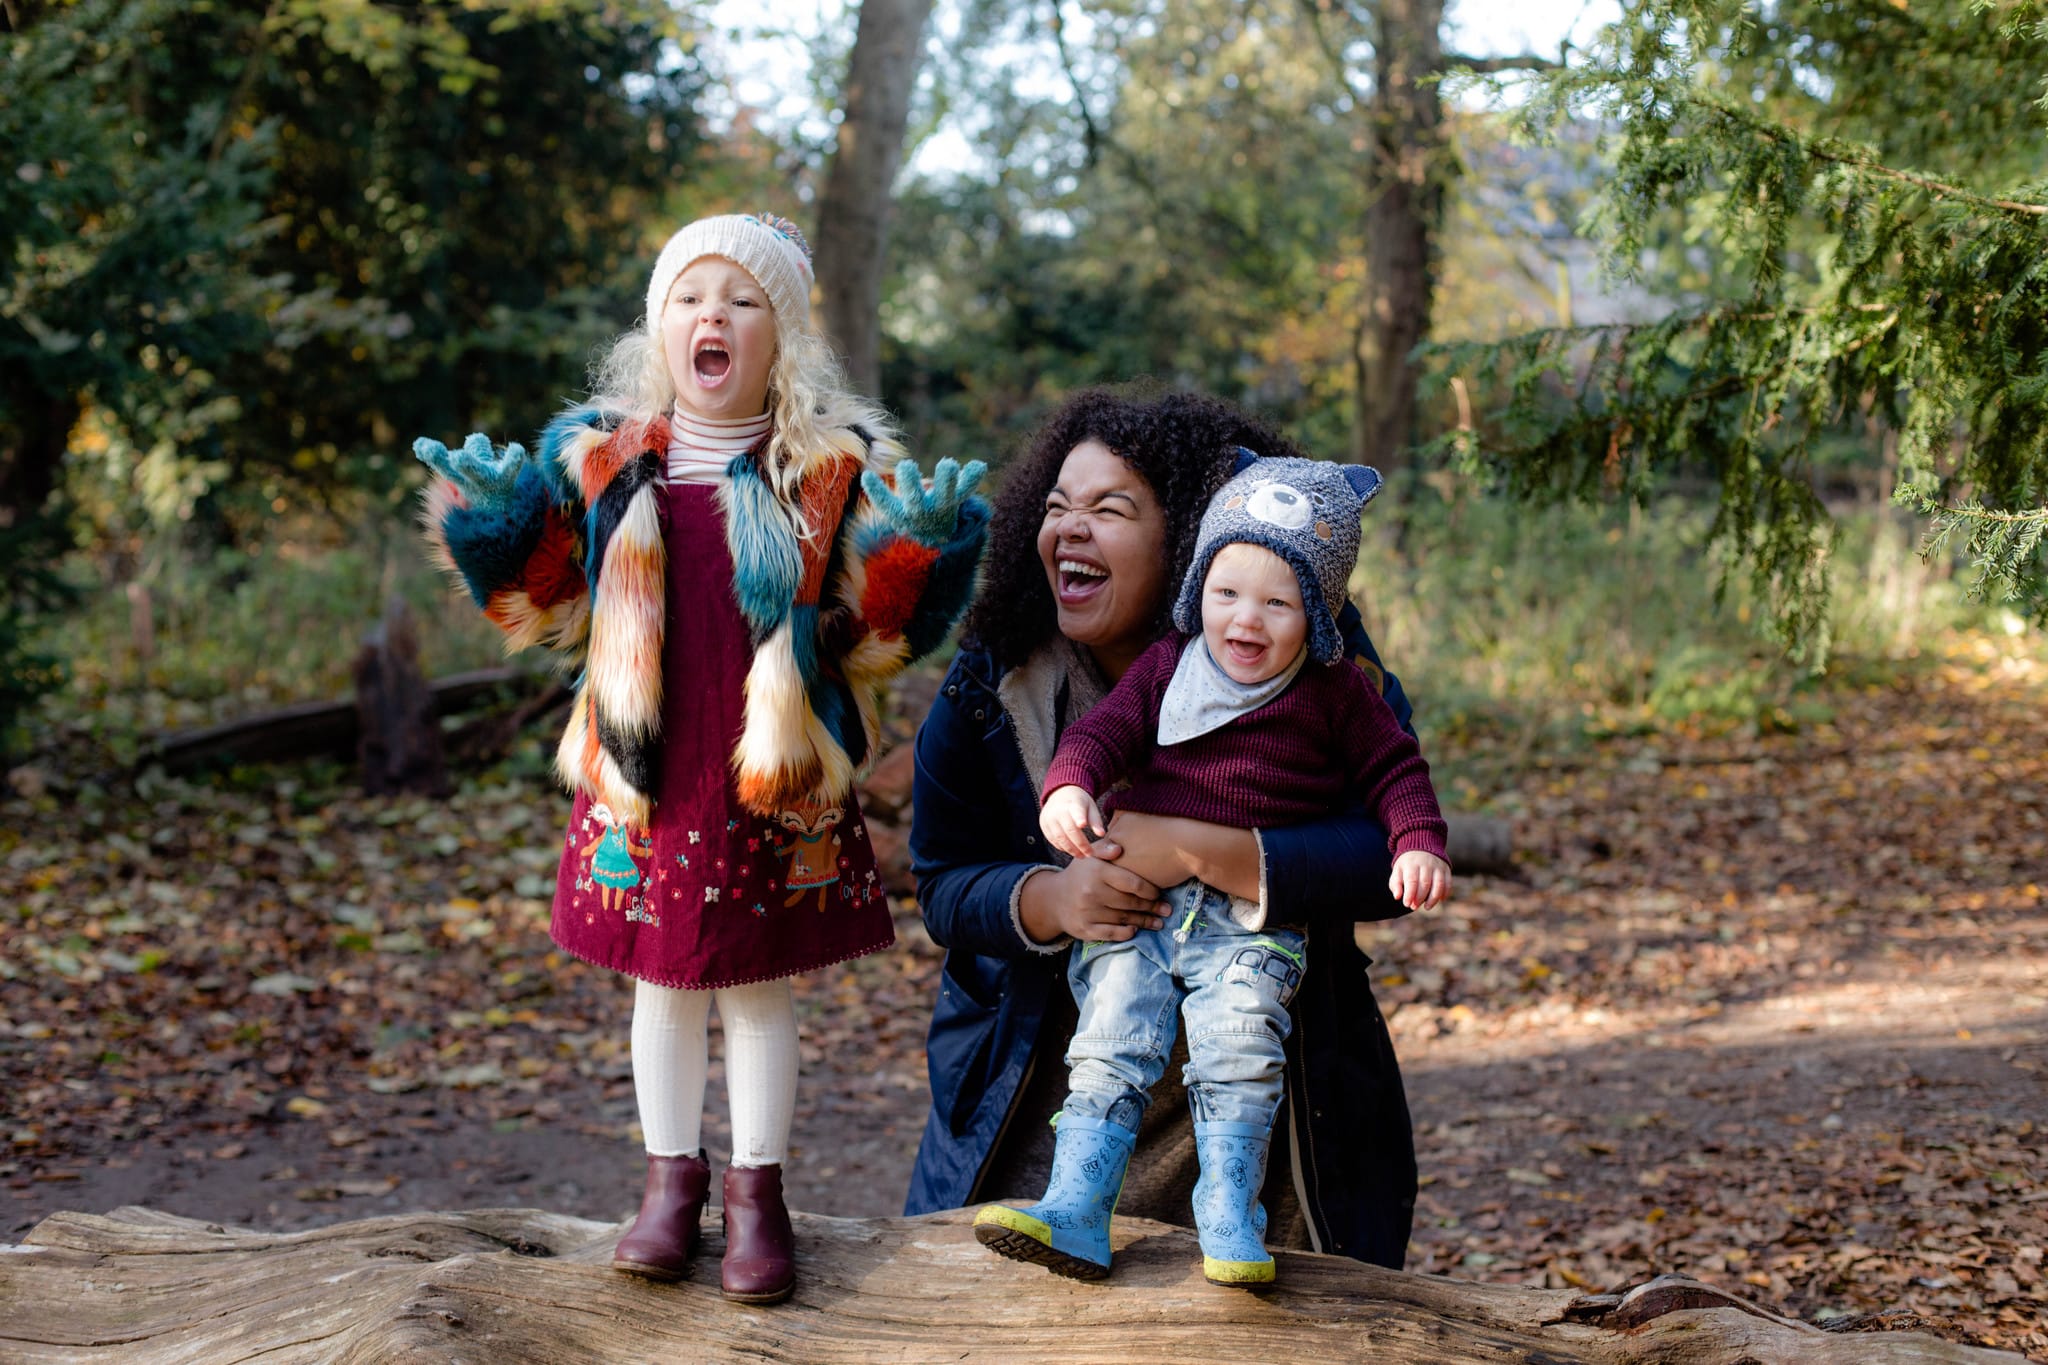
[[566, 551]]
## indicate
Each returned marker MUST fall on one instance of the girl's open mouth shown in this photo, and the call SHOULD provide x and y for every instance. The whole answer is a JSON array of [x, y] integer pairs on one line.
[[712, 364]]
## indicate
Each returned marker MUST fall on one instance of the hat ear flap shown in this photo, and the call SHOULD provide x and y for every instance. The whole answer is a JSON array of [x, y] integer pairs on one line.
[[1364, 480], [1246, 458]]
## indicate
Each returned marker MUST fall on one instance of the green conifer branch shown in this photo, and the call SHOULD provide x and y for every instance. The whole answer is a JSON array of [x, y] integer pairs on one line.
[[1848, 290], [1856, 158]]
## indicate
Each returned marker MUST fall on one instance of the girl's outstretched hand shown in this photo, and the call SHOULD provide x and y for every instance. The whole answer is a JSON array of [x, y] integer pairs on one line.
[[1071, 821], [1421, 880], [929, 516], [483, 474]]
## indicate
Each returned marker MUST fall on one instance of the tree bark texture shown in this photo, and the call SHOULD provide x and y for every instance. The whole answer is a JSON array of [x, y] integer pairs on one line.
[[852, 240], [1406, 174], [518, 1285]]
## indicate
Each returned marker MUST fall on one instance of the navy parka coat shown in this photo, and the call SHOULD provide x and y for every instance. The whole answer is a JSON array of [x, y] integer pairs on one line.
[[974, 834]]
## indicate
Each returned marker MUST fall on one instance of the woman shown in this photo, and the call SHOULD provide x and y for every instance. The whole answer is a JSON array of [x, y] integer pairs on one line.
[[1094, 528]]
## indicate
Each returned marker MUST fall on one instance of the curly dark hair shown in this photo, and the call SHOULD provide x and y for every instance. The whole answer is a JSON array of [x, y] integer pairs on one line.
[[1181, 444]]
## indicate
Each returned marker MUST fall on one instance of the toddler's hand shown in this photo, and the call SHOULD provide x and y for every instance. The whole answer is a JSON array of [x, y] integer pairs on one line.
[[927, 516], [1421, 881], [484, 475], [1071, 821]]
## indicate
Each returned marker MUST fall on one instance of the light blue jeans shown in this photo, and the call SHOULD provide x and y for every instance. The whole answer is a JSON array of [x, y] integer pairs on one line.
[[1232, 987]]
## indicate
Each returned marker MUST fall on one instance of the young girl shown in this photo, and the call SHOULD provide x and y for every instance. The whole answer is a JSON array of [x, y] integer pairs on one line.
[[711, 542]]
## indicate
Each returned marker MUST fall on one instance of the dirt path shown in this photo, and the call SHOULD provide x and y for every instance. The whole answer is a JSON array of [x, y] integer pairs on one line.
[[1775, 1014], [1771, 1012]]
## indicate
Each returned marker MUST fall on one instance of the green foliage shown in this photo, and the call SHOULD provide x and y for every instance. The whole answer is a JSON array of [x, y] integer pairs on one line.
[[118, 287], [461, 220], [1184, 204], [1849, 289], [266, 247], [1180, 191], [2006, 545], [254, 250], [236, 630]]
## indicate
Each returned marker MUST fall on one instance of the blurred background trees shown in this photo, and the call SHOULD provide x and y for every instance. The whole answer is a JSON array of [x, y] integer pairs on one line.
[[1723, 275], [257, 248]]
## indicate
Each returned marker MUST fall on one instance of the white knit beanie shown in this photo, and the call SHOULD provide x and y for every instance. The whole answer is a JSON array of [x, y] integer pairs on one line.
[[770, 249]]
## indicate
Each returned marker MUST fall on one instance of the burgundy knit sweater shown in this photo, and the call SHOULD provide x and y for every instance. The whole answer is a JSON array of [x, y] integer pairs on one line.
[[1328, 738]]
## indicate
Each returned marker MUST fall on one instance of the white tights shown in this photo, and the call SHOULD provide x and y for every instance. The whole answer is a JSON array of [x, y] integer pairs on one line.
[[671, 1051]]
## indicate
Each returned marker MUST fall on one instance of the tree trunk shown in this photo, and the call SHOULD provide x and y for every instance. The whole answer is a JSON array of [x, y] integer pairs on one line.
[[854, 212], [398, 738], [1405, 200], [33, 440], [518, 1285]]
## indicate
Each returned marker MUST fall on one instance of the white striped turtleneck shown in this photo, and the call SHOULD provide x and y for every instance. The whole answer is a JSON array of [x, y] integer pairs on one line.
[[700, 448]]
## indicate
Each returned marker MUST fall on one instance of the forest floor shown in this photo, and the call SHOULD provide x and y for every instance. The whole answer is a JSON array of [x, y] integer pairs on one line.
[[1771, 1010]]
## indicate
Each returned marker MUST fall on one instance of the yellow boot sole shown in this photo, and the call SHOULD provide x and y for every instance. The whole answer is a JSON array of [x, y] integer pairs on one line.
[[1238, 1274], [1017, 1235]]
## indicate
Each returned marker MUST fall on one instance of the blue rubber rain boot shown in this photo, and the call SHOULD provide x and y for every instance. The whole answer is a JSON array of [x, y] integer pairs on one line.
[[1067, 1232], [1228, 1214]]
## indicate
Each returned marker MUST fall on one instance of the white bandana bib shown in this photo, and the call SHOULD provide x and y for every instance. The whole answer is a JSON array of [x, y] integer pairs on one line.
[[1202, 697]]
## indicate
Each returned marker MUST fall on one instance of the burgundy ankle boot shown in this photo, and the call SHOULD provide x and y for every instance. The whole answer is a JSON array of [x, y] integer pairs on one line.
[[760, 1245], [659, 1244]]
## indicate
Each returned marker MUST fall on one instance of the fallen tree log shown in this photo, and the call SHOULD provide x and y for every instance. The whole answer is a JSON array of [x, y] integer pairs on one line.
[[1481, 844], [519, 1285], [490, 736], [312, 729]]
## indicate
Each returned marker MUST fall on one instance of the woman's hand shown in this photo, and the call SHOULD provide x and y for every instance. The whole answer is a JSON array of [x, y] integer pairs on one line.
[[1092, 899], [1421, 880], [1071, 821]]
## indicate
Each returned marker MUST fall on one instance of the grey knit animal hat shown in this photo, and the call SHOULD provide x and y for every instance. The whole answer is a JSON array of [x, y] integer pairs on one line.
[[1306, 512]]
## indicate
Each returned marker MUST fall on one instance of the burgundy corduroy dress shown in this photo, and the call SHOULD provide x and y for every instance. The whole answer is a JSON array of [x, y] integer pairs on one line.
[[724, 896]]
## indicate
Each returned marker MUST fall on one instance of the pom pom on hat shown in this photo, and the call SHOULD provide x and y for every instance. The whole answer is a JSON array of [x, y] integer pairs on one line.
[[770, 249], [1306, 512]]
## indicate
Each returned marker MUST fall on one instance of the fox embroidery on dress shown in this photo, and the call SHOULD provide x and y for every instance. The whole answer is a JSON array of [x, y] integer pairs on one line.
[[813, 852]]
